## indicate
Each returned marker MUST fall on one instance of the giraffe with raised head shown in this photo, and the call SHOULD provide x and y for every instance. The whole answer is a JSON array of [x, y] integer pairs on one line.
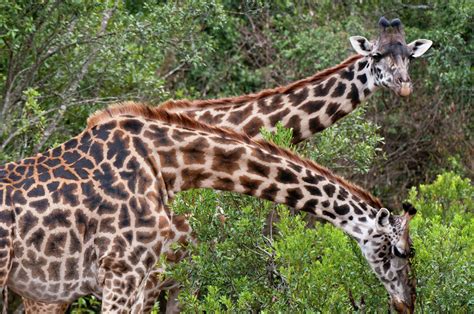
[[90, 216], [312, 104]]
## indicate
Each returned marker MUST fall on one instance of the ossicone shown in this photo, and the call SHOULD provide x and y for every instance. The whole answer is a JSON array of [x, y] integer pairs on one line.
[[408, 208], [383, 22], [396, 22]]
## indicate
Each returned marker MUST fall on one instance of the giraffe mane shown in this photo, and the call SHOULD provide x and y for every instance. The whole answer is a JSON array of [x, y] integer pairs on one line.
[[320, 76], [157, 113]]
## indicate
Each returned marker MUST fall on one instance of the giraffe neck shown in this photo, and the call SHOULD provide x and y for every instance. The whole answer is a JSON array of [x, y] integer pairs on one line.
[[190, 159], [308, 106]]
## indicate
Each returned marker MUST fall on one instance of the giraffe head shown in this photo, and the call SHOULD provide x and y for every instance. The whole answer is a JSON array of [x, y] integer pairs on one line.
[[389, 55], [388, 252]]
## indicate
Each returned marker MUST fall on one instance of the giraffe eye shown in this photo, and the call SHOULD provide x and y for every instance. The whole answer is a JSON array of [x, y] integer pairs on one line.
[[399, 253], [377, 56]]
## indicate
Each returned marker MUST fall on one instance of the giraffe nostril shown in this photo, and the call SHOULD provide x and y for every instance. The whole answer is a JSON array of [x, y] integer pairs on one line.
[[402, 80]]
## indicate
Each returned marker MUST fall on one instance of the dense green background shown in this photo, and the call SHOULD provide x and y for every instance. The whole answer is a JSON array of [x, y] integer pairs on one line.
[[62, 60]]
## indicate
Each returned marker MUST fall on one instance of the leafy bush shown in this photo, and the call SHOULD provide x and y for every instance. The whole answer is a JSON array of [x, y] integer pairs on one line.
[[351, 147], [447, 196], [442, 234], [323, 270], [227, 269]]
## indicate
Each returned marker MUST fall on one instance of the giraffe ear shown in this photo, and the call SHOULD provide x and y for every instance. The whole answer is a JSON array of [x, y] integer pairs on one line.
[[382, 217], [361, 45], [418, 47]]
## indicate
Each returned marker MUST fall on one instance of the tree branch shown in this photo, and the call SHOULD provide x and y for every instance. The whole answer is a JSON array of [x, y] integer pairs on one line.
[[97, 100], [417, 6], [76, 81]]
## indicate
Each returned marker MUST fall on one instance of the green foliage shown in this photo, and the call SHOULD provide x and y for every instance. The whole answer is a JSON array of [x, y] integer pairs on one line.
[[352, 146], [281, 136], [323, 269], [453, 41], [442, 235], [227, 263], [86, 305], [447, 196], [78, 55], [31, 111]]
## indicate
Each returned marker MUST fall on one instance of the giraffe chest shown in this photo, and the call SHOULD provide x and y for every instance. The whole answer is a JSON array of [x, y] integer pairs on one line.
[[39, 276]]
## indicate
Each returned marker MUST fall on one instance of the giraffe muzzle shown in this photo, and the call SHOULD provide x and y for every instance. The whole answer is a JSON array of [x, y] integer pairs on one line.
[[402, 307], [405, 89], [406, 304]]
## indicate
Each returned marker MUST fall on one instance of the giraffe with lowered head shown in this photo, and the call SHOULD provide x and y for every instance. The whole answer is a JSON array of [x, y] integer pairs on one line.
[[90, 216]]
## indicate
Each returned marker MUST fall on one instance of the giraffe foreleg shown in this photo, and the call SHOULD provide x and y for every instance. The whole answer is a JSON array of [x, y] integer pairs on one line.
[[124, 283], [157, 284], [6, 248], [172, 304], [152, 290], [123, 293]]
